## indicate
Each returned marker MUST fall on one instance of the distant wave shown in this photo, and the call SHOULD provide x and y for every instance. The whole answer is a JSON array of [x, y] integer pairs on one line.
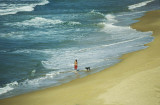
[[72, 23], [43, 22], [97, 13], [38, 21], [6, 9], [134, 6], [27, 51], [3, 51]]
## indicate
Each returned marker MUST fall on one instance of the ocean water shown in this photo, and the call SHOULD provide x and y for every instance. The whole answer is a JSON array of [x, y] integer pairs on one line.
[[40, 39]]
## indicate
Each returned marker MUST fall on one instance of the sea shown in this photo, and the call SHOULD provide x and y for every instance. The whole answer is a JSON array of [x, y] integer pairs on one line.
[[40, 39]]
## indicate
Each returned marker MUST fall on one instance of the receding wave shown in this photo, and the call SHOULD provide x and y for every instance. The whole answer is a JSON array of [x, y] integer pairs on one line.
[[138, 5], [13, 8], [124, 41], [132, 13], [36, 82]]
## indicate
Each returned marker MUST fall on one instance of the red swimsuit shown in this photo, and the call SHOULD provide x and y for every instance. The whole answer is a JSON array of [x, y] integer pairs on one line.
[[75, 65]]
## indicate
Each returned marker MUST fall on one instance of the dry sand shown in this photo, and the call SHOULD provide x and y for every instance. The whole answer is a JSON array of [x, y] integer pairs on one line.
[[133, 81]]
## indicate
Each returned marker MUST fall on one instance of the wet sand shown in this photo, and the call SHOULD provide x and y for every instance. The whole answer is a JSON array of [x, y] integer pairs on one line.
[[133, 81]]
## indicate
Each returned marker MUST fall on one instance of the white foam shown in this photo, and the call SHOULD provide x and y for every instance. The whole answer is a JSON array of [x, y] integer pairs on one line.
[[124, 41], [55, 62], [14, 8], [53, 73], [63, 60], [111, 18], [138, 5], [97, 13], [12, 34], [33, 73], [74, 23], [23, 34], [46, 51], [3, 51], [122, 32], [111, 28], [42, 22], [131, 13], [30, 83], [38, 22], [22, 51], [8, 87], [38, 82]]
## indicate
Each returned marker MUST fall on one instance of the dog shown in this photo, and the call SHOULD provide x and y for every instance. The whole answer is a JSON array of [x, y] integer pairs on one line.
[[87, 68]]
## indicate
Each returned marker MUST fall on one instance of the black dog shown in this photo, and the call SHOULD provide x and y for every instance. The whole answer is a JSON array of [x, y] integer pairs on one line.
[[87, 68]]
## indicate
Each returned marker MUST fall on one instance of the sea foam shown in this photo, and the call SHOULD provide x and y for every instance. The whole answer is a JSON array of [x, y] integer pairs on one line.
[[38, 21], [41, 22], [119, 31], [8, 87], [97, 13], [111, 18], [29, 83], [109, 25]]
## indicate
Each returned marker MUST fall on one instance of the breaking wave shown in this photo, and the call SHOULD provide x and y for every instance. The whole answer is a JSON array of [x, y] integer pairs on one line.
[[8, 87], [13, 8], [138, 5], [43, 22]]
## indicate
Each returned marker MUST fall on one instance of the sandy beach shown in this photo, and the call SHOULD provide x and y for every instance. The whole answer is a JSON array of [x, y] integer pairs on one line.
[[133, 81]]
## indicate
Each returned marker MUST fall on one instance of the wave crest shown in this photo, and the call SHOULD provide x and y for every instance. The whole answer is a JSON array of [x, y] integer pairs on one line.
[[43, 22], [29, 82], [15, 8], [134, 6], [111, 18], [38, 21], [8, 87], [97, 13]]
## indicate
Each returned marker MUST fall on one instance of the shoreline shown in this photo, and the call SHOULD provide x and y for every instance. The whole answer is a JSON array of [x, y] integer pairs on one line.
[[133, 81]]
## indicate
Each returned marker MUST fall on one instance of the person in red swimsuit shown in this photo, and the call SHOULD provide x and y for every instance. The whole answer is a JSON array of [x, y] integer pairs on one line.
[[75, 64]]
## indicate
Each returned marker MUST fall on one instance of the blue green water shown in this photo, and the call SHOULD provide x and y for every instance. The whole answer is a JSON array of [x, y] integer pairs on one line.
[[40, 39]]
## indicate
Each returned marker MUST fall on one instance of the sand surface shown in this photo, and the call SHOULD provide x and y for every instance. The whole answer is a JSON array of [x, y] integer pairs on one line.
[[133, 81]]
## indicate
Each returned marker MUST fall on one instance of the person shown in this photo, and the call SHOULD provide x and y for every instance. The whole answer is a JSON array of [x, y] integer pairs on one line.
[[75, 64]]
